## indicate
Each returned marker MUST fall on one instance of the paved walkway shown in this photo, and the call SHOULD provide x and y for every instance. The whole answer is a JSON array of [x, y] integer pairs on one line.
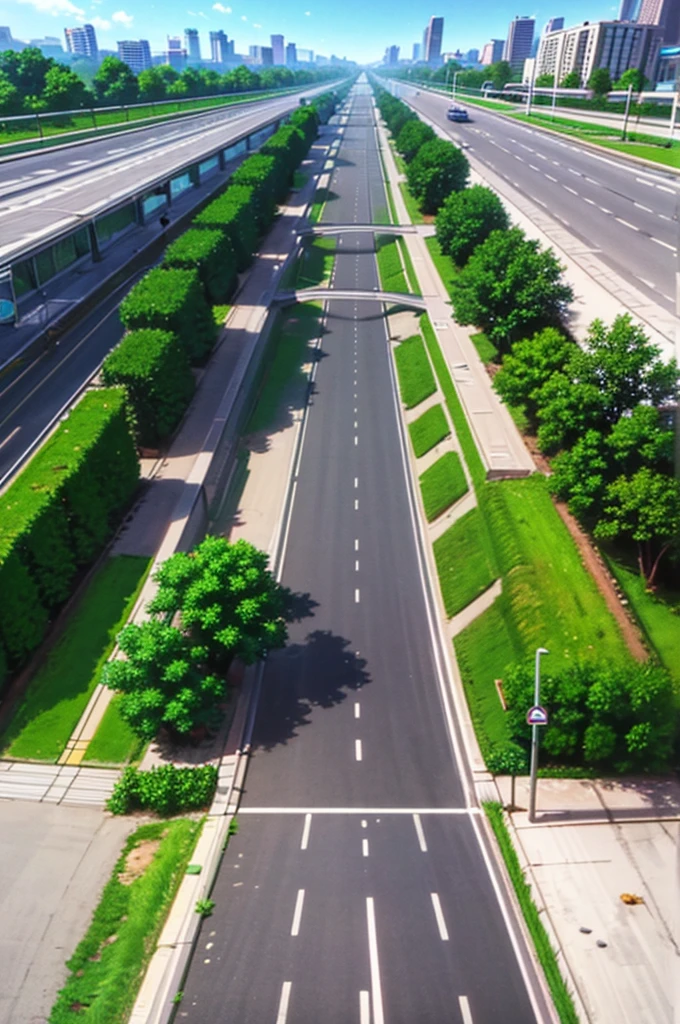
[[56, 784]]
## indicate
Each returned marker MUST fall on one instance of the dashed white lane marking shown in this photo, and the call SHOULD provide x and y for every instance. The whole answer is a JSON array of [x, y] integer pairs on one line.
[[533, 167], [641, 207], [357, 750], [441, 923], [465, 1010], [357, 596], [356, 543], [305, 832], [356, 504], [376, 991], [550, 178], [364, 847], [297, 914], [603, 209], [590, 201], [356, 481], [356, 440], [357, 709], [664, 244], [572, 190], [419, 832], [282, 1014], [662, 188], [364, 1007], [626, 224], [356, 424], [356, 565]]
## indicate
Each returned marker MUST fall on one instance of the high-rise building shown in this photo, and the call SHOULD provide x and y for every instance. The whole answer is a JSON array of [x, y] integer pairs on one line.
[[554, 25], [492, 52], [50, 46], [472, 57], [82, 40], [417, 48], [221, 47], [666, 15], [278, 49], [518, 44], [263, 55], [432, 47], [628, 10], [192, 44], [291, 54], [391, 55], [615, 45], [176, 55], [305, 56], [136, 53]]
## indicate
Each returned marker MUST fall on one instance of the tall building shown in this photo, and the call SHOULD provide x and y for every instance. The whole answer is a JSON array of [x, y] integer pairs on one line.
[[417, 48], [221, 47], [192, 45], [554, 25], [492, 52], [628, 10], [82, 40], [666, 15], [615, 45], [518, 44], [176, 55], [305, 56], [263, 55], [136, 53], [278, 49], [432, 45], [391, 55], [50, 46], [291, 54], [472, 57]]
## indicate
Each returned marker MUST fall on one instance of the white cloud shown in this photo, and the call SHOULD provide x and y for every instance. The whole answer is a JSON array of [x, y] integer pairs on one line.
[[243, 17], [55, 7], [255, 25], [202, 15], [122, 18], [100, 23], [307, 14], [221, 8]]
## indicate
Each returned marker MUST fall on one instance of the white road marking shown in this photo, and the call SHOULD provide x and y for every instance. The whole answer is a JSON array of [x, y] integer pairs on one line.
[[550, 178], [662, 188], [356, 424], [283, 1003], [356, 504], [465, 1009], [356, 565], [305, 831], [357, 709], [356, 440], [364, 847], [376, 991], [358, 753], [572, 190], [441, 924], [591, 201], [605, 210], [356, 596], [356, 543], [364, 1007], [533, 167], [641, 207], [626, 224], [420, 833], [664, 244], [297, 914], [664, 217], [643, 181], [469, 811]]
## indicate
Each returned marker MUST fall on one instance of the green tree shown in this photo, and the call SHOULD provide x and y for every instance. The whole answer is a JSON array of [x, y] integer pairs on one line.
[[64, 90], [641, 439], [499, 73], [634, 77], [26, 70], [528, 366], [572, 80], [510, 287], [466, 219], [600, 82], [10, 97], [227, 598], [644, 508], [544, 81], [412, 136], [115, 84], [163, 681], [152, 85], [437, 169], [580, 474]]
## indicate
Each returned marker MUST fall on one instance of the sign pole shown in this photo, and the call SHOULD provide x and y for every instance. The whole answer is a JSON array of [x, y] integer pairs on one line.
[[534, 736]]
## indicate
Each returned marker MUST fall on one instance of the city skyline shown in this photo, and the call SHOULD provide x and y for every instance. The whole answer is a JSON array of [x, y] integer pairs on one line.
[[318, 26]]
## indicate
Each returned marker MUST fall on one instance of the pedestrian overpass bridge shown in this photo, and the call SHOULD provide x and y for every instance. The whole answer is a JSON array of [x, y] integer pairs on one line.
[[360, 229], [288, 297]]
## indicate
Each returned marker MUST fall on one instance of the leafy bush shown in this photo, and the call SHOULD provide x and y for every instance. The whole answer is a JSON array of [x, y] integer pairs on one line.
[[172, 300], [412, 136], [416, 380], [529, 366], [59, 512], [234, 213], [437, 169], [466, 219], [211, 252], [166, 790], [306, 120], [289, 146], [268, 181], [154, 369]]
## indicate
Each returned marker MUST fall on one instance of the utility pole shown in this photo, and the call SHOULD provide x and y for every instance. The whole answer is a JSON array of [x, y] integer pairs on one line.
[[625, 116]]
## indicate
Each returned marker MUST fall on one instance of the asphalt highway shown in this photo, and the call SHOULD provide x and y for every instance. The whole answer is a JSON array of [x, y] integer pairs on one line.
[[625, 213], [357, 888]]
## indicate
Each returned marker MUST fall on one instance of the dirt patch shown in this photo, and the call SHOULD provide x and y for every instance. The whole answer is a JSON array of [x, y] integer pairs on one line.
[[138, 860]]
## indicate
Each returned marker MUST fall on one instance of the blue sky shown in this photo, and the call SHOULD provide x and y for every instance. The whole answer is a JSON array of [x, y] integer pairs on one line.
[[357, 29]]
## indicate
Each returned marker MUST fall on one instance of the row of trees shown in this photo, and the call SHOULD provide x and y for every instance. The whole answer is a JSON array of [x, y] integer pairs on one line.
[[33, 83]]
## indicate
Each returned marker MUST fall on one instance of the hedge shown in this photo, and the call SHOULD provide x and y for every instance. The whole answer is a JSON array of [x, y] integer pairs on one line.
[[165, 789], [306, 119], [234, 213], [58, 514], [211, 252], [172, 300], [288, 146], [153, 368], [266, 177]]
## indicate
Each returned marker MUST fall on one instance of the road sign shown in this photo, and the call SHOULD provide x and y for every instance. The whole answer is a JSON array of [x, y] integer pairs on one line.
[[537, 715]]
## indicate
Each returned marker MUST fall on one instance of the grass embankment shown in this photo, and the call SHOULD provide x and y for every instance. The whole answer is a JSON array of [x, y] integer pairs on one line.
[[390, 269], [428, 430], [486, 350], [316, 264], [444, 264], [544, 950], [114, 741], [416, 380], [408, 266], [60, 689], [442, 484], [466, 561], [657, 614], [108, 965]]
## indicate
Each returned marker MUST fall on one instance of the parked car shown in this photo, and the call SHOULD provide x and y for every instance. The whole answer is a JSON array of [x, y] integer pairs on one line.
[[457, 114]]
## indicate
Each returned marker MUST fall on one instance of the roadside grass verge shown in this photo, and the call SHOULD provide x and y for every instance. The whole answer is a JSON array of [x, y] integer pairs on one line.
[[316, 264], [390, 270], [59, 691], [465, 439], [486, 349], [466, 562], [442, 484], [446, 268], [657, 613], [546, 954], [411, 204], [381, 215], [299, 180], [290, 348], [108, 965], [428, 430], [408, 266], [220, 313], [114, 742], [416, 380]]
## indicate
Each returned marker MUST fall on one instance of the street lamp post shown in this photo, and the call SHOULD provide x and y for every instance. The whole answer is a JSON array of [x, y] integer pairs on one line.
[[530, 90], [453, 89], [534, 736], [558, 74], [625, 116]]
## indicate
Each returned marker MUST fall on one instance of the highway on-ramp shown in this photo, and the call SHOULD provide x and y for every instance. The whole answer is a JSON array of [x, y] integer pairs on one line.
[[358, 887]]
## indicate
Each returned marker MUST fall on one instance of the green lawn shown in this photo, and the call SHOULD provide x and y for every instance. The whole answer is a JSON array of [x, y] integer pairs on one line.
[[109, 963], [416, 380], [316, 265], [658, 614], [442, 484], [220, 313], [290, 350], [486, 349], [58, 693], [466, 561], [114, 741], [408, 265], [465, 439], [390, 269], [428, 430], [444, 264], [381, 215], [412, 207]]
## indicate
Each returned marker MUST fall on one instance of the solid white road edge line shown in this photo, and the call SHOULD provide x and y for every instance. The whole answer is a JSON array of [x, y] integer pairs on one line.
[[378, 1016]]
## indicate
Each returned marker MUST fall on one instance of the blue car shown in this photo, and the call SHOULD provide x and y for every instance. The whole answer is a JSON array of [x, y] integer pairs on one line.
[[457, 114]]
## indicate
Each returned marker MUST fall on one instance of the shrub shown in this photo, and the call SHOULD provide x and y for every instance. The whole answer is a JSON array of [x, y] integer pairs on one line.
[[166, 790], [267, 179], [234, 213], [412, 136], [306, 120], [288, 145], [466, 219], [154, 369], [211, 252], [437, 169], [172, 300]]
